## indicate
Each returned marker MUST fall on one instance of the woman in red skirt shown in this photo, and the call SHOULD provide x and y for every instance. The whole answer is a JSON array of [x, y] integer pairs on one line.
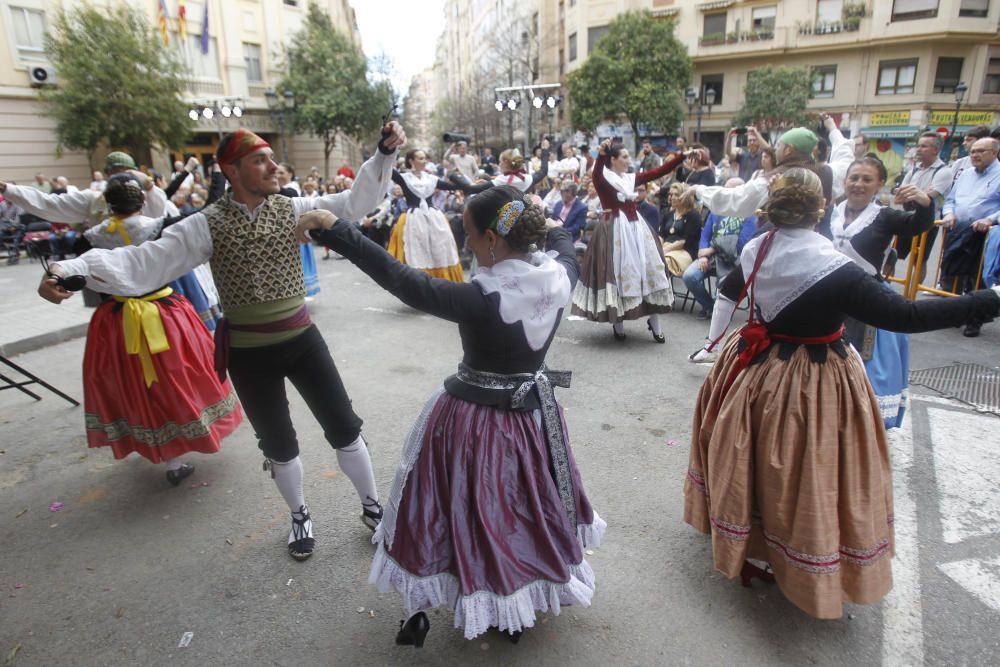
[[487, 514], [148, 379]]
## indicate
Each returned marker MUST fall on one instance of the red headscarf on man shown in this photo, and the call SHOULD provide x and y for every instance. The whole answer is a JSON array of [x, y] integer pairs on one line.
[[242, 142]]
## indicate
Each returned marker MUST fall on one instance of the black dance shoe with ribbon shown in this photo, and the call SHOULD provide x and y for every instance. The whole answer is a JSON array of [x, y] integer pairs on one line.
[[413, 631]]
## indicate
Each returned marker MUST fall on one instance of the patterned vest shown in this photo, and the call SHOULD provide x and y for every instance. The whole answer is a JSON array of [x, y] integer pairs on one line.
[[254, 262]]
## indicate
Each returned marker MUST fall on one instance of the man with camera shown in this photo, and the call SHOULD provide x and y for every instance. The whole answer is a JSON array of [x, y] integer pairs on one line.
[[746, 153]]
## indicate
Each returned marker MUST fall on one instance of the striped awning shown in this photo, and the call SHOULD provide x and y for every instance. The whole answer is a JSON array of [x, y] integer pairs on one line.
[[666, 11], [891, 132], [717, 4]]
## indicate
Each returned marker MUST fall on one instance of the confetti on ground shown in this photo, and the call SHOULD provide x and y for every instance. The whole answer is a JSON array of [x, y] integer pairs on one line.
[[361, 610], [13, 653], [55, 507], [18, 587], [590, 552], [198, 485], [671, 443], [21, 513], [186, 640], [120, 612], [107, 589], [289, 582]]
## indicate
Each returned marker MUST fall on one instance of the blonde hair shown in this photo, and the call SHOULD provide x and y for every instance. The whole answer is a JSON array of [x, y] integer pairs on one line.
[[795, 199], [515, 158], [683, 199]]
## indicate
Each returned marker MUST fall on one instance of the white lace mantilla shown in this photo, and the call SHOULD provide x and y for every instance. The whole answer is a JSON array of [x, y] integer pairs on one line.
[[843, 233], [798, 259], [530, 293]]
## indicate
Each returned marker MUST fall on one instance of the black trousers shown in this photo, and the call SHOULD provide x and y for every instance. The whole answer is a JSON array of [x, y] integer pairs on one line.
[[258, 375]]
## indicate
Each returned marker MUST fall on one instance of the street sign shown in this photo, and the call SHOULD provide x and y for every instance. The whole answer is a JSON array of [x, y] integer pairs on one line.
[[943, 131]]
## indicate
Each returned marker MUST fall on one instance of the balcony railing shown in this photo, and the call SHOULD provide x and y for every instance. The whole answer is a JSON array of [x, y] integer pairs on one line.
[[850, 21], [714, 39]]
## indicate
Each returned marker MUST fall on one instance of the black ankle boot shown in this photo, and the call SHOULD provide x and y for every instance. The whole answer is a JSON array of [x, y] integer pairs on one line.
[[413, 631], [176, 476]]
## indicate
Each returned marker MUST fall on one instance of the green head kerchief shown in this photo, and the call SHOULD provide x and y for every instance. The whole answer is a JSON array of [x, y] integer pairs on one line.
[[117, 160], [801, 139]]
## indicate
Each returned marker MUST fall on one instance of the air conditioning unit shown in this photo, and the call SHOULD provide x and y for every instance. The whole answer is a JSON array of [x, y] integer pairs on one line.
[[42, 75]]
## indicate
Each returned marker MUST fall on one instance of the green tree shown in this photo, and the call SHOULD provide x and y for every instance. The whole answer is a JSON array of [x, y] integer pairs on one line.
[[328, 75], [638, 70], [118, 84], [776, 97]]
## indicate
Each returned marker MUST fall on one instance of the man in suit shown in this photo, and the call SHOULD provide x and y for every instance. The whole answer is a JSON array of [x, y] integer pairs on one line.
[[570, 210]]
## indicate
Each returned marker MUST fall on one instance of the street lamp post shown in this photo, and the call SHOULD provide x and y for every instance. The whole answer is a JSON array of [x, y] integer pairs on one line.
[[959, 96], [691, 97], [278, 111]]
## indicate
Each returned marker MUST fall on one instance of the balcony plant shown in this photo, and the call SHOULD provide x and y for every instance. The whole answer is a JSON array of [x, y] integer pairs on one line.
[[852, 23], [856, 10], [713, 38]]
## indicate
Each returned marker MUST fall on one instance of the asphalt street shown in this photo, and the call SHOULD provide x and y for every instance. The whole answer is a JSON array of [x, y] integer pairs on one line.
[[128, 564]]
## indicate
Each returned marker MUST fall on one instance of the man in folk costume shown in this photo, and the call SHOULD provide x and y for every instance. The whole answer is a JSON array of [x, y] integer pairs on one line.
[[267, 335]]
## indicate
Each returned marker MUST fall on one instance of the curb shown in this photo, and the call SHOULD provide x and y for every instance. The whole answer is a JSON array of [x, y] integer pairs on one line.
[[34, 343]]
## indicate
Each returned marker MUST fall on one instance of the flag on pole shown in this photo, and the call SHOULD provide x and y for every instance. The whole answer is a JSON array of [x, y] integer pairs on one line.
[[162, 19], [204, 30], [182, 22]]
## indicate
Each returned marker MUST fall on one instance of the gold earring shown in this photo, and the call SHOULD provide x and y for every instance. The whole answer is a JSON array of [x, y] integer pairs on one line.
[[493, 258]]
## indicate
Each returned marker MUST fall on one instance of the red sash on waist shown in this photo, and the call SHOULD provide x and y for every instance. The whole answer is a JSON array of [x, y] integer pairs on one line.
[[299, 320], [629, 209]]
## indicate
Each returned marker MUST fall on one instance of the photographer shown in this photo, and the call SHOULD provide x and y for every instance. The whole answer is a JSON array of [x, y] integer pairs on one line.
[[743, 147]]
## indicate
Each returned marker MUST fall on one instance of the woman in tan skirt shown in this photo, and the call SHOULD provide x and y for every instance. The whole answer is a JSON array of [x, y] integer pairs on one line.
[[789, 460]]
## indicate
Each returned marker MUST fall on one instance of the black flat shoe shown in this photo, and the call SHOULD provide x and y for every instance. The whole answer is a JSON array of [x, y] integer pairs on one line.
[[413, 631], [175, 477], [659, 338], [515, 637], [371, 514], [303, 545], [618, 336]]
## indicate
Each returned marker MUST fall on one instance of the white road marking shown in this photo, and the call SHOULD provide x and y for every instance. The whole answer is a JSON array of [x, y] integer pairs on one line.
[[941, 400], [979, 577], [561, 339], [967, 473], [902, 610]]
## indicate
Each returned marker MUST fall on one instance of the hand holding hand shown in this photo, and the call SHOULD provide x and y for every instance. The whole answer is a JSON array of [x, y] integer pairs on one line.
[[316, 219]]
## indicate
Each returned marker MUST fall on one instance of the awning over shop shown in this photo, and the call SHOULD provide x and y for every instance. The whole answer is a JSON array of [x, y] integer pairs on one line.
[[718, 4], [891, 132]]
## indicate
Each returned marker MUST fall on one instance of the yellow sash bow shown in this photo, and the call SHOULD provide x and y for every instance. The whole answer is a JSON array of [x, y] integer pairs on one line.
[[118, 225], [144, 334]]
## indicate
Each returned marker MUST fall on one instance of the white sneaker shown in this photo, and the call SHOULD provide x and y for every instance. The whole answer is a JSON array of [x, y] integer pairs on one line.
[[703, 356]]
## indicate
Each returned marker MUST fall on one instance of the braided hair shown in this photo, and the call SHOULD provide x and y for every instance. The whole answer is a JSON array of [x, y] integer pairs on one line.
[[526, 227], [124, 194], [795, 199]]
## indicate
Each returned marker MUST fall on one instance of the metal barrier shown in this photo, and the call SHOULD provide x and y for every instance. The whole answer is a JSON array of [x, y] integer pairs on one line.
[[915, 266]]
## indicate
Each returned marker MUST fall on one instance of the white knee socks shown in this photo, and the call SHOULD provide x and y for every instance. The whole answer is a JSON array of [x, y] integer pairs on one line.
[[619, 327], [173, 464], [288, 478], [356, 463], [654, 324]]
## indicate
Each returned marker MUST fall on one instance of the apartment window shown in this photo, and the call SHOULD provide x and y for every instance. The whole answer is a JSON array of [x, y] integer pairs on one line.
[[572, 47], [763, 18], [713, 81], [251, 58], [29, 32], [896, 77], [904, 10], [292, 3], [991, 86], [949, 72], [572, 3], [978, 8], [203, 66], [825, 80], [594, 35], [715, 25], [829, 11]]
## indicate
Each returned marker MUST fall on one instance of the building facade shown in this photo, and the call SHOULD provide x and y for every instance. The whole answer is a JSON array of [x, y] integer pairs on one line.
[[887, 68], [242, 62]]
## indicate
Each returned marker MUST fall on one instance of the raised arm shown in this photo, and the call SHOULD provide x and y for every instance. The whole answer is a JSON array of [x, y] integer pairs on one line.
[[669, 164], [70, 207], [561, 241], [368, 190], [135, 270], [741, 201], [605, 192], [456, 302]]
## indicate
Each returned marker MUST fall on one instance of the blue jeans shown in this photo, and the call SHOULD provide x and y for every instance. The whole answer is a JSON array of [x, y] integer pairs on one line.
[[991, 262], [694, 278]]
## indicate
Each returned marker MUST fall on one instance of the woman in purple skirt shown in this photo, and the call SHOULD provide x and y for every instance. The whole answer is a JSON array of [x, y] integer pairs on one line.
[[487, 514]]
